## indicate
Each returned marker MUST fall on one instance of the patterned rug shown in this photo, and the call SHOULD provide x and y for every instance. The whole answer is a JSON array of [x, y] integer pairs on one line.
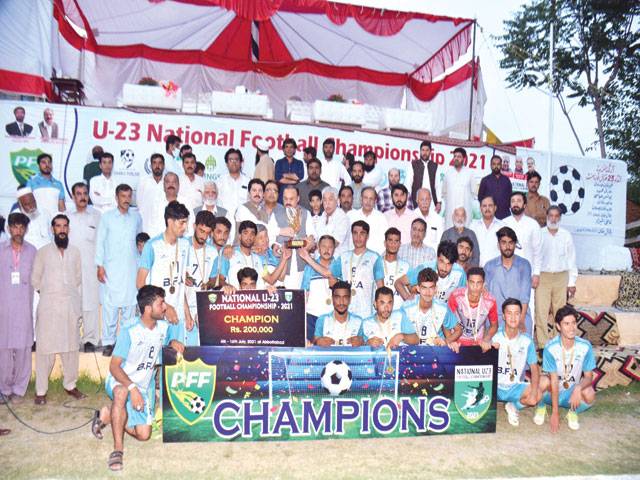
[[616, 366], [599, 328], [635, 258]]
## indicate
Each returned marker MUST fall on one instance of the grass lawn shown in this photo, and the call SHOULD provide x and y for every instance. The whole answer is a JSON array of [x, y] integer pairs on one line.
[[606, 444]]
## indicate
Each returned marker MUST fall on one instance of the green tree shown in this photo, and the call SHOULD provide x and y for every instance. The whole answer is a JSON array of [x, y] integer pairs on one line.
[[595, 47]]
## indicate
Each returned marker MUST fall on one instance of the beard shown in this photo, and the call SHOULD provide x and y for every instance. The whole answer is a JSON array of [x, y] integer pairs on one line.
[[508, 253], [496, 170], [61, 240], [209, 202], [458, 224], [517, 210], [553, 225], [400, 204], [369, 168]]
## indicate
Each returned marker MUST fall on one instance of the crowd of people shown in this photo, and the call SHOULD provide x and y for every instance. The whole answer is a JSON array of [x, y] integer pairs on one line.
[[382, 263]]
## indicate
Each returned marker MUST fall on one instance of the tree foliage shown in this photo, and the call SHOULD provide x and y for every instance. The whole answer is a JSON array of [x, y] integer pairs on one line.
[[596, 50]]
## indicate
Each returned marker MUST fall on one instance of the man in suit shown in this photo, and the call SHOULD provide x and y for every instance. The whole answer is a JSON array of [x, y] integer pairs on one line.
[[19, 128], [48, 128], [431, 182]]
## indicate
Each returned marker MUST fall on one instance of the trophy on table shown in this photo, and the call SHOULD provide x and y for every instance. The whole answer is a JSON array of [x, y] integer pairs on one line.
[[294, 220]]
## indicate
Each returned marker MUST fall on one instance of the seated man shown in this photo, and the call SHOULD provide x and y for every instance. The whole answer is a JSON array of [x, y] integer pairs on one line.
[[516, 351], [388, 328], [569, 362], [131, 379], [474, 307], [433, 321], [339, 327]]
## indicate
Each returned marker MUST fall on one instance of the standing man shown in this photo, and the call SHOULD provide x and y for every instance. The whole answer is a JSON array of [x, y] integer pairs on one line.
[[150, 190], [252, 209], [339, 327], [392, 266], [401, 216], [116, 260], [485, 229], [233, 185], [39, 232], [210, 200], [265, 167], [103, 187], [171, 188], [131, 380], [558, 273], [333, 171], [457, 189], [333, 221], [434, 222], [361, 268], [497, 186], [345, 195], [385, 200], [85, 221], [536, 205], [313, 182], [376, 220], [458, 230], [434, 323], [528, 233], [191, 185], [92, 168], [476, 311], [373, 174], [48, 191], [387, 327], [172, 149], [357, 174], [57, 276], [416, 252], [48, 128], [425, 176], [164, 263], [18, 128], [16, 314], [509, 276], [289, 170]]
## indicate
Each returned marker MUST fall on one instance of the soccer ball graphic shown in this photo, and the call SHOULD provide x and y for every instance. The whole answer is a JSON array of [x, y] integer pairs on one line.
[[336, 377], [197, 405], [567, 190], [127, 157]]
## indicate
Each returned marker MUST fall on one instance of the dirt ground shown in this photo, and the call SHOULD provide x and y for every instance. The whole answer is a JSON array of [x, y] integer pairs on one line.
[[607, 443]]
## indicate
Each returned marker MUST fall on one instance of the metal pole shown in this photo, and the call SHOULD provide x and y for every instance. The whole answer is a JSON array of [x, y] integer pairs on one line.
[[550, 98], [473, 75]]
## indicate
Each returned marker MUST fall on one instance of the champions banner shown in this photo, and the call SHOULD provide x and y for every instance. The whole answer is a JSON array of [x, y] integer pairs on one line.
[[244, 394], [252, 318]]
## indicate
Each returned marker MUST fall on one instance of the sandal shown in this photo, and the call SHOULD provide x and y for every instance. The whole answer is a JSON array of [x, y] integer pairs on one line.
[[115, 462], [97, 425]]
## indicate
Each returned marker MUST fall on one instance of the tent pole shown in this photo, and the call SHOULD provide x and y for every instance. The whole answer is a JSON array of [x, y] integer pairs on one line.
[[473, 75]]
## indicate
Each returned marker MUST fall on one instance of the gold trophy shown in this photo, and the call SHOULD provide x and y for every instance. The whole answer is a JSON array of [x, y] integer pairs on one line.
[[293, 218]]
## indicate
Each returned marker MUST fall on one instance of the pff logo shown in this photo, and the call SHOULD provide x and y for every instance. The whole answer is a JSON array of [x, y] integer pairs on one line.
[[24, 164], [473, 391], [190, 387]]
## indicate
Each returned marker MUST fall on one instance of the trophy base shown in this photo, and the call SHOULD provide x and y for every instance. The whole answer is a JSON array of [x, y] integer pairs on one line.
[[293, 244]]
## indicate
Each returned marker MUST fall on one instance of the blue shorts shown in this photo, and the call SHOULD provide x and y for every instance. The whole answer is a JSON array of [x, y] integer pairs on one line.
[[135, 417], [180, 333], [512, 394], [563, 400]]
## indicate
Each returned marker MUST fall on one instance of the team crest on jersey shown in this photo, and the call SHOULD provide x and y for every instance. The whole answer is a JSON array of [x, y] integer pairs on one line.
[[288, 296], [190, 387], [473, 391]]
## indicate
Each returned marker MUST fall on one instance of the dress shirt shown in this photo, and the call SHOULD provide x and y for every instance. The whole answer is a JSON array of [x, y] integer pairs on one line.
[[415, 256], [487, 239], [435, 227], [457, 191], [558, 254], [499, 188], [536, 208], [102, 192], [377, 227], [148, 193], [232, 192], [282, 167], [192, 190], [401, 222], [529, 239], [333, 172], [514, 282], [305, 188], [337, 225], [452, 235], [374, 178]]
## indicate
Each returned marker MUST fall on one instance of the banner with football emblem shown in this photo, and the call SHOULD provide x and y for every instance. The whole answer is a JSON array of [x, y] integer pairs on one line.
[[273, 393]]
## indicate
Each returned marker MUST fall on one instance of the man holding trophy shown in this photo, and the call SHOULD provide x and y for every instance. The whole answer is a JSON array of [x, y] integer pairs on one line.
[[293, 228]]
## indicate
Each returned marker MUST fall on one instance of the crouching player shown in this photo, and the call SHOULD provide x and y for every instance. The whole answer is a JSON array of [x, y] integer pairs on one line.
[[569, 362], [388, 328], [131, 380], [339, 327], [516, 352], [434, 323]]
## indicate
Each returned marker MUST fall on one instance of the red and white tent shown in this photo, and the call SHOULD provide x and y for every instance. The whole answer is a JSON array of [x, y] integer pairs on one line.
[[305, 48]]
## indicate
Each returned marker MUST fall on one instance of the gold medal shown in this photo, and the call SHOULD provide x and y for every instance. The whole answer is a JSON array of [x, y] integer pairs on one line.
[[353, 292], [328, 301], [172, 289], [512, 377], [565, 384]]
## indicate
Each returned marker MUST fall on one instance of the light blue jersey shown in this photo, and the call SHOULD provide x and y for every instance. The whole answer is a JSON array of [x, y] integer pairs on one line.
[[393, 271], [456, 279], [340, 332], [318, 291], [397, 323], [362, 271], [428, 325], [514, 356], [230, 268], [570, 364]]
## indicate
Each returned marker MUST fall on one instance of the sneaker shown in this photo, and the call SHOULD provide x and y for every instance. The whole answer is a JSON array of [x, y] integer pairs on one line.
[[538, 417], [512, 414], [572, 420]]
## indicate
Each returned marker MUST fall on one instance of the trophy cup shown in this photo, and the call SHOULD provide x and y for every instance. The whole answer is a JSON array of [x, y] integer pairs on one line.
[[293, 218]]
